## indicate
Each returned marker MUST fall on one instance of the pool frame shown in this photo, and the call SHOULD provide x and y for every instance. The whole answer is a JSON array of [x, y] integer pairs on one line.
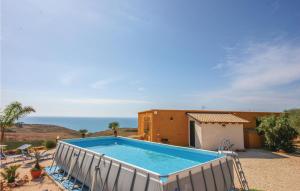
[[162, 179]]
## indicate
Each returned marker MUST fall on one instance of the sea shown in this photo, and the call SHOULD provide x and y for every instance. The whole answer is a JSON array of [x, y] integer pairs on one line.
[[92, 124]]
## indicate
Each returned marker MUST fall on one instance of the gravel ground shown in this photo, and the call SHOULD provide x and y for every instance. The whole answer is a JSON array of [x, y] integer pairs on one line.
[[270, 171]]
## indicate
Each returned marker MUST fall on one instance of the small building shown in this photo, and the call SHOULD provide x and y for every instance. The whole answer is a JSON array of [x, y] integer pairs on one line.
[[209, 131], [201, 128]]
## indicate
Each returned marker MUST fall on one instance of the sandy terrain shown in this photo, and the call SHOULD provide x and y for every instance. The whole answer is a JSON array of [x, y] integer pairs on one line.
[[271, 171], [42, 184]]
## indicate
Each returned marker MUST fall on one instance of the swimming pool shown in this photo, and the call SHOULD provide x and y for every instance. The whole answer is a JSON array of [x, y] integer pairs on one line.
[[159, 158], [124, 164]]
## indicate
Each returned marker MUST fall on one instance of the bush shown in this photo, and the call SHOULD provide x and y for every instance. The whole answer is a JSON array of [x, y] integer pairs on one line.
[[10, 173], [294, 117], [278, 132], [83, 132], [50, 144]]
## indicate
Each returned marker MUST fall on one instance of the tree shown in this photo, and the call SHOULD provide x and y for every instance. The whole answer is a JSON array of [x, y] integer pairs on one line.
[[114, 126], [83, 132], [10, 115], [294, 117], [278, 132]]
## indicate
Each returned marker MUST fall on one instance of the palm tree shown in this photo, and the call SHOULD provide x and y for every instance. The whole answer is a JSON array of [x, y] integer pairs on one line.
[[114, 126], [10, 115], [83, 132]]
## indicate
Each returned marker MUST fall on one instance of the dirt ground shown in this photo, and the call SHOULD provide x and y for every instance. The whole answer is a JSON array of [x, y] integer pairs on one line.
[[270, 171], [264, 170]]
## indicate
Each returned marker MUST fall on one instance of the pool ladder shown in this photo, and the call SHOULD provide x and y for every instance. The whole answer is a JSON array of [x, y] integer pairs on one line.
[[238, 169], [240, 172]]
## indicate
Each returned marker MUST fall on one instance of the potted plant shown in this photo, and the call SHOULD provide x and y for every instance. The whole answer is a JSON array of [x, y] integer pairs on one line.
[[36, 171], [10, 173], [114, 126]]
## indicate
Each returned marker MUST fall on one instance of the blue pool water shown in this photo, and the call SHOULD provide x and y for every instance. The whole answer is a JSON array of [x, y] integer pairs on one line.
[[158, 158]]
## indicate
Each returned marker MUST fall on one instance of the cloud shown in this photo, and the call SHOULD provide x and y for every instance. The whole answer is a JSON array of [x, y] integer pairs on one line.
[[218, 66], [69, 78], [105, 101], [141, 89], [100, 84], [260, 76], [263, 66]]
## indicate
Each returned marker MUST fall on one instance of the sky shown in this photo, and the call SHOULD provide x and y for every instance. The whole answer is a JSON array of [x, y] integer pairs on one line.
[[116, 58]]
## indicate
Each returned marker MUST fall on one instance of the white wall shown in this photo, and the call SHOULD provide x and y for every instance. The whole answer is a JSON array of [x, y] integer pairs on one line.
[[198, 136], [210, 136]]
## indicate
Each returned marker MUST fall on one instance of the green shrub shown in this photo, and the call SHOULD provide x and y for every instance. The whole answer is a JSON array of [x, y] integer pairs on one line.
[[10, 173], [278, 132], [49, 144], [83, 132], [294, 117]]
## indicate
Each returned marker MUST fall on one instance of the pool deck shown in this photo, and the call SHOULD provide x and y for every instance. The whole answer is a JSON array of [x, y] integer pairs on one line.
[[41, 184]]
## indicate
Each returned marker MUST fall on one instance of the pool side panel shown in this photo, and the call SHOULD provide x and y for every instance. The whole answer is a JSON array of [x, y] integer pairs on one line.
[[211, 179], [102, 175]]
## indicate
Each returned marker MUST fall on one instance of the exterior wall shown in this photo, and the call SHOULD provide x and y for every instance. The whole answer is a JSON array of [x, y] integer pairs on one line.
[[170, 125], [145, 125], [198, 136], [212, 135], [252, 139], [173, 125]]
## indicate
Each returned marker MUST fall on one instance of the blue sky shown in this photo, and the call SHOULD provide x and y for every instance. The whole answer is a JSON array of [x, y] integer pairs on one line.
[[115, 58]]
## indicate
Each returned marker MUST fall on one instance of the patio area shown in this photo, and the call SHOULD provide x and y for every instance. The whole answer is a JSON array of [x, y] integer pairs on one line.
[[42, 184]]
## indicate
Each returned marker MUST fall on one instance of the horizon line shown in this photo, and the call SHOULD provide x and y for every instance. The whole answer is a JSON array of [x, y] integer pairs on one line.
[[79, 116]]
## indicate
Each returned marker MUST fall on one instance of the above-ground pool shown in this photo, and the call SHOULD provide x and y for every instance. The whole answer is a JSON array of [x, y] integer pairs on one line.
[[119, 163], [159, 158]]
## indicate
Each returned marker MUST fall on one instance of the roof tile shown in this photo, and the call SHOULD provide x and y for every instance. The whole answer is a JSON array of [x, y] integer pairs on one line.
[[217, 118]]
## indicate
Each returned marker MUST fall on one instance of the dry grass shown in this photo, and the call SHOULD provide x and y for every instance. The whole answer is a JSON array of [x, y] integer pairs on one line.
[[37, 134], [50, 132]]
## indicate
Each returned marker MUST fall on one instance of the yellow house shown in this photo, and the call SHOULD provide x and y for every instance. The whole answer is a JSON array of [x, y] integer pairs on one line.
[[205, 129]]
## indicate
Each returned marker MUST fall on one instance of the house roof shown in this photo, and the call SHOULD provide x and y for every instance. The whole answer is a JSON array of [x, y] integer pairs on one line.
[[217, 118], [208, 111]]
